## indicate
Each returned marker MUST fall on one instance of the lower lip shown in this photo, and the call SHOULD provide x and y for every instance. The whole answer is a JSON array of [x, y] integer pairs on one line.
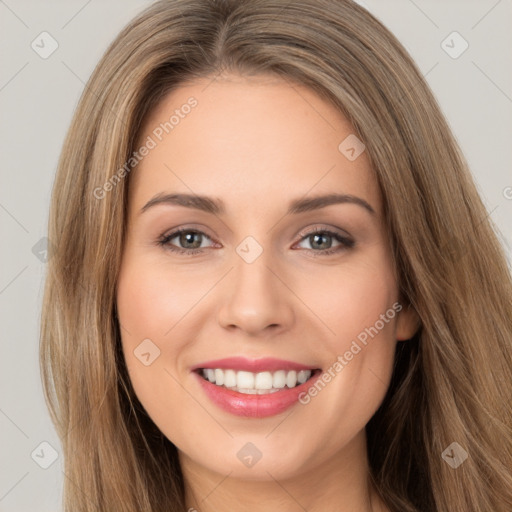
[[254, 406]]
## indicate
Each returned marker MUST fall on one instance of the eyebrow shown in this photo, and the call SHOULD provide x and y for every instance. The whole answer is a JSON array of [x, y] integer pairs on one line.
[[216, 206]]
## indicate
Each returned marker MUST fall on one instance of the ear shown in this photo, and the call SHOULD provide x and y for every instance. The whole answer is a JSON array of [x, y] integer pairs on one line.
[[407, 323]]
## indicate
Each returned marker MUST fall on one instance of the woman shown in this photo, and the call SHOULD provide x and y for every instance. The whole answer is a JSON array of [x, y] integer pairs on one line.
[[276, 285]]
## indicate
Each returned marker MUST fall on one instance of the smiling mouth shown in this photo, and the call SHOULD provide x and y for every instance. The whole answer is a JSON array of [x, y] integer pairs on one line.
[[260, 383]]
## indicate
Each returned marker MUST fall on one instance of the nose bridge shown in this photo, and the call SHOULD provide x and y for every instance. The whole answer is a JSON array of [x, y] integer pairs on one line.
[[254, 298]]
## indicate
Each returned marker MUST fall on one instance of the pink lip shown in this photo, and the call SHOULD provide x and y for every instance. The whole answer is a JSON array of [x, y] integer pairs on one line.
[[254, 406], [253, 365]]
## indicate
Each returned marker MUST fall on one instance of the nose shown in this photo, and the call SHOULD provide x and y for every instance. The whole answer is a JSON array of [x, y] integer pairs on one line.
[[256, 300]]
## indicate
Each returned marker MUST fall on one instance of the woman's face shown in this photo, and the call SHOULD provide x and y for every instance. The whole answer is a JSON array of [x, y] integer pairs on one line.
[[266, 275]]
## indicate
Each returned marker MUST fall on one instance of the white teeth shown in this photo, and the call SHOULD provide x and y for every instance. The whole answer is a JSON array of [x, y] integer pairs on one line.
[[229, 378], [291, 379], [263, 380], [248, 391], [279, 379], [219, 377], [244, 380], [260, 383], [303, 376]]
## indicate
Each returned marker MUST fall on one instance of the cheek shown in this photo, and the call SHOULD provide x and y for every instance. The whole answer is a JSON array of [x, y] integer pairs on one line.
[[358, 304], [150, 304], [151, 301], [350, 298]]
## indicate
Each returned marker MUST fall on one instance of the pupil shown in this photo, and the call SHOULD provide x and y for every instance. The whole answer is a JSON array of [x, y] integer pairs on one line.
[[187, 238], [325, 245]]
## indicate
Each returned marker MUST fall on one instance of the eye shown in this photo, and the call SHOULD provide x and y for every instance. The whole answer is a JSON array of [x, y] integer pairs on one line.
[[324, 241], [192, 241], [188, 241]]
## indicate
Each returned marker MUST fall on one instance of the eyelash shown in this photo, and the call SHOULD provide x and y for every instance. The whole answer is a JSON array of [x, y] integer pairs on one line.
[[346, 243]]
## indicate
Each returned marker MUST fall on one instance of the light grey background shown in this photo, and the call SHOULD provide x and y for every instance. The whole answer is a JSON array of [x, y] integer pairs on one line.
[[37, 100]]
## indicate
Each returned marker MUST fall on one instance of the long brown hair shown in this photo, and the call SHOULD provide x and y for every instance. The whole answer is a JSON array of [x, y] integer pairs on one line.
[[452, 381]]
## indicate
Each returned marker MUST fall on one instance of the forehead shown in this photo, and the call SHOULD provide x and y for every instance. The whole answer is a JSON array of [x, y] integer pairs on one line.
[[249, 141]]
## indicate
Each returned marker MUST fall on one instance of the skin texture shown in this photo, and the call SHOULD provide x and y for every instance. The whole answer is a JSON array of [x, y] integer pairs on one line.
[[258, 143]]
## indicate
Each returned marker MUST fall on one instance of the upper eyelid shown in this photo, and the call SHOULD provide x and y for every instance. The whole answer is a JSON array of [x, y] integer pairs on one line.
[[176, 231], [322, 229]]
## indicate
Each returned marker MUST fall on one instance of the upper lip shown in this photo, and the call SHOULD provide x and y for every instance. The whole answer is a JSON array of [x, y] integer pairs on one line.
[[253, 365]]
